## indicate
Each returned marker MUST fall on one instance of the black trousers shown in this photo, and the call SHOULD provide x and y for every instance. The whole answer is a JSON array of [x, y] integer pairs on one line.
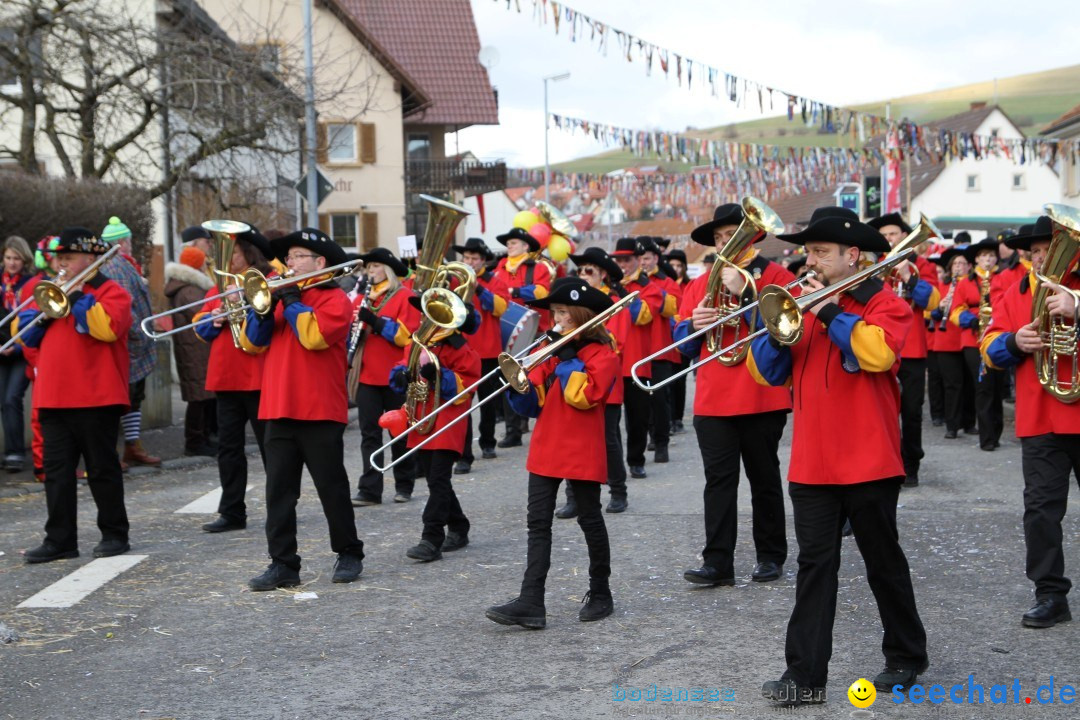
[[677, 392], [912, 376], [199, 423], [820, 511], [516, 425], [722, 441], [989, 398], [636, 403], [90, 433], [487, 412], [234, 411], [660, 404], [318, 444], [543, 493], [935, 387], [371, 402], [1048, 461], [959, 391], [442, 511], [616, 470]]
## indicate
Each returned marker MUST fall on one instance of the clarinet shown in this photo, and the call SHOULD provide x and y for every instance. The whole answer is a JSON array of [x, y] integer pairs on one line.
[[946, 305], [356, 332]]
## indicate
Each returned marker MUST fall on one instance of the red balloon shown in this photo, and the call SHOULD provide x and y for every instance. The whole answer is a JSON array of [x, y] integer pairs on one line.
[[542, 233], [395, 421]]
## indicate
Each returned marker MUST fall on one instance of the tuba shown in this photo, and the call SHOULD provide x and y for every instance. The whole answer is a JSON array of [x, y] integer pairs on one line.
[[442, 221], [224, 233], [758, 220], [1059, 333]]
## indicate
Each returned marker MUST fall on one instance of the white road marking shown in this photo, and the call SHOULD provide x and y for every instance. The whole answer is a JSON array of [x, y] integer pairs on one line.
[[205, 505], [72, 588]]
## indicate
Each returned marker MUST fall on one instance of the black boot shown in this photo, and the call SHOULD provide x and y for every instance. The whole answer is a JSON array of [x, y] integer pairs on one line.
[[275, 576], [567, 511], [596, 606], [526, 613], [617, 504]]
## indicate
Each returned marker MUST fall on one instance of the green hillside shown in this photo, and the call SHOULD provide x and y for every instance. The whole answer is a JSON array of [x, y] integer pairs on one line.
[[1031, 100]]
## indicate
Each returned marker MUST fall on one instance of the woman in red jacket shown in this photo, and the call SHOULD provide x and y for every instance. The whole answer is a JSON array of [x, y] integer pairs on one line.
[[567, 397]]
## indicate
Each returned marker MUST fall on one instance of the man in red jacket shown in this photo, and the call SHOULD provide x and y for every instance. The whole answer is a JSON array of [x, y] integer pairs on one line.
[[304, 405], [843, 375], [82, 418]]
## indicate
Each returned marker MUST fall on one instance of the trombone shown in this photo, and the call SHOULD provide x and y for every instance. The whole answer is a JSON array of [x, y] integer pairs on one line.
[[515, 373], [52, 296]]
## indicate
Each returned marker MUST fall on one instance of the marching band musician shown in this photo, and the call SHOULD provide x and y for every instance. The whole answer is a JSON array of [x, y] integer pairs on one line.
[[567, 396], [391, 320], [842, 373], [446, 528], [1012, 265], [48, 264], [527, 280], [922, 292], [81, 418], [735, 417], [1048, 428], [644, 310], [660, 331], [949, 342], [492, 295], [676, 259], [235, 376], [305, 408]]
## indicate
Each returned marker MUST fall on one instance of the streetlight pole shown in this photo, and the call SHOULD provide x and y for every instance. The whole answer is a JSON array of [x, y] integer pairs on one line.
[[312, 191], [547, 164]]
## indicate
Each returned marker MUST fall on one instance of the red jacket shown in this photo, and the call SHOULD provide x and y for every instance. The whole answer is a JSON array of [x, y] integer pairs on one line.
[[1008, 275], [949, 339], [83, 358], [229, 368], [382, 349], [924, 296], [619, 327], [1037, 411], [492, 296], [846, 396], [721, 390], [669, 310], [567, 398], [304, 374], [31, 354], [529, 280], [644, 310], [965, 309]]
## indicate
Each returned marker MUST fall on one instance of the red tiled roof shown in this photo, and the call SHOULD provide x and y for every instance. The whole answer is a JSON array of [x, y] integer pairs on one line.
[[1070, 117], [435, 41]]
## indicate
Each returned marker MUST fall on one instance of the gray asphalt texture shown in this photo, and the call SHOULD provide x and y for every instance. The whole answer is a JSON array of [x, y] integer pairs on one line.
[[180, 636]]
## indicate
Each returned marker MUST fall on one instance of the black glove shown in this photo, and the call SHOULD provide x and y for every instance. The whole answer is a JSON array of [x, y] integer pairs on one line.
[[515, 292], [74, 297], [428, 372], [369, 317], [567, 352], [97, 280], [288, 295]]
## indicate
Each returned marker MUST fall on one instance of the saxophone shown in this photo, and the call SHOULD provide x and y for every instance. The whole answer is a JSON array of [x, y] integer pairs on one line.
[[986, 311]]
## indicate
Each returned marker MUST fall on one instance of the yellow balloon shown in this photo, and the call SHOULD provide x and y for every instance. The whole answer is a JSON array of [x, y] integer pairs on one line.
[[558, 247], [525, 220]]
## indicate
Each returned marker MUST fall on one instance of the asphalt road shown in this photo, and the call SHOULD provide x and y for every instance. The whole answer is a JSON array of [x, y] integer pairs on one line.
[[179, 635]]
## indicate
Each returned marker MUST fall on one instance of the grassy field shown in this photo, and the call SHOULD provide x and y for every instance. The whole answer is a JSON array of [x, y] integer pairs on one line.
[[1031, 101]]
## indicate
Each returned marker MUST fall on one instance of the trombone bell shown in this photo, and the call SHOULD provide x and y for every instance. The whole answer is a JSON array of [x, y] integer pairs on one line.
[[781, 315], [51, 300]]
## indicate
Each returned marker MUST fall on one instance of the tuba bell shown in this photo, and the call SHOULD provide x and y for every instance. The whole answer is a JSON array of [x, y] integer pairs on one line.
[[1059, 333], [443, 219], [225, 233]]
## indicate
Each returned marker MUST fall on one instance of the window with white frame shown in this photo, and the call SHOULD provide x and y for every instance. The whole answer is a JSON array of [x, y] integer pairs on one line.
[[343, 229], [1018, 182], [341, 142], [973, 183]]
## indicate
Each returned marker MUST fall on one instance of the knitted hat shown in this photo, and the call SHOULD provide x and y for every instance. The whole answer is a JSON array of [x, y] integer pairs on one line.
[[115, 230], [45, 251], [193, 257]]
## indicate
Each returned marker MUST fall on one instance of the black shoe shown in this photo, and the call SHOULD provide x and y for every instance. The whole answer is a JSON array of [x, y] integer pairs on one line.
[[1047, 612], [950, 434], [424, 551], [360, 500], [204, 450], [567, 511], [402, 497], [789, 693], [911, 481], [454, 541], [988, 447], [595, 607], [518, 612], [618, 504], [488, 454], [637, 471], [224, 524], [971, 431], [846, 531], [651, 446], [275, 576], [661, 455], [510, 441], [109, 548], [767, 572], [937, 422], [47, 552], [706, 575], [462, 467], [891, 677], [347, 568], [677, 427]]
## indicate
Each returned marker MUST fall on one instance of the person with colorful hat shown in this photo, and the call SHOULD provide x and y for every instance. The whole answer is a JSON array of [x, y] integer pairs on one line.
[[235, 375], [949, 344], [676, 260], [735, 418], [80, 392], [527, 280], [390, 319], [921, 291], [1048, 428], [305, 407], [123, 269], [842, 373], [566, 394], [492, 297], [660, 336]]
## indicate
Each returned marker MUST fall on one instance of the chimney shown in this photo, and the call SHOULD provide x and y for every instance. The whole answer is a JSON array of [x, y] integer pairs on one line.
[[978, 105]]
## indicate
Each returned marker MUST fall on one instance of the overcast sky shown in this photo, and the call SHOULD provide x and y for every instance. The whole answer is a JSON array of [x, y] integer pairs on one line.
[[840, 52]]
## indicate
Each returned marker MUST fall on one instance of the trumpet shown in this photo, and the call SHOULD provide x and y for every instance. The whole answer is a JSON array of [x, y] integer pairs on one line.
[[53, 296], [923, 232]]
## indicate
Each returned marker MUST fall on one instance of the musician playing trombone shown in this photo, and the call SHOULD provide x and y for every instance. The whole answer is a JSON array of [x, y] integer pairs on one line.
[[845, 454]]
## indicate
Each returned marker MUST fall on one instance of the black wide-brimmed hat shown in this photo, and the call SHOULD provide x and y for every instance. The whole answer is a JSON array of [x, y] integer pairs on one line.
[[1041, 229], [314, 240], [987, 243], [797, 264], [573, 291], [891, 219], [383, 256], [518, 233], [195, 232], [839, 225], [947, 256], [726, 214], [260, 242], [627, 246], [662, 242], [598, 257], [476, 245], [677, 255], [81, 240], [648, 244]]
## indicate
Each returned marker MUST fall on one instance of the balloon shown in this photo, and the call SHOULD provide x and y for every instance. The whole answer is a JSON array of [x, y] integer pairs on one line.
[[542, 232], [525, 220], [535, 211], [558, 247]]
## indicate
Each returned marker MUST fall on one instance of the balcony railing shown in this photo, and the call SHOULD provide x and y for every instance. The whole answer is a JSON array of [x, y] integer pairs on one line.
[[441, 177]]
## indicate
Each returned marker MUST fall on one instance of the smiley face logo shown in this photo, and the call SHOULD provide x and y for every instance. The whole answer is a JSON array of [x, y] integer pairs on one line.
[[862, 693]]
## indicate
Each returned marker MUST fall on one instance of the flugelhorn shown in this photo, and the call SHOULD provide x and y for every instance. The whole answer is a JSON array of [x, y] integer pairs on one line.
[[1059, 333], [924, 231]]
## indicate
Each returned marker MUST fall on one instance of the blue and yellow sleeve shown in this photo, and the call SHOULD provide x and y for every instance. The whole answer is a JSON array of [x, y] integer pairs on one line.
[[399, 379], [532, 292], [999, 350], [395, 332], [528, 404], [925, 296], [305, 325], [863, 346], [450, 385], [256, 332], [669, 308], [769, 362], [684, 328], [206, 331], [640, 314], [91, 318], [32, 337], [574, 382]]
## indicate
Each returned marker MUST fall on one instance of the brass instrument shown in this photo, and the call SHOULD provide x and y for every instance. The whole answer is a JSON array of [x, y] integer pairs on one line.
[[758, 220], [1059, 333], [442, 221], [986, 311], [923, 232], [224, 233], [561, 224]]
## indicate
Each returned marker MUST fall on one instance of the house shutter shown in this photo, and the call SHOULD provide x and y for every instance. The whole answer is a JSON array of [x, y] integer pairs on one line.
[[366, 133], [369, 233], [321, 143], [324, 223]]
